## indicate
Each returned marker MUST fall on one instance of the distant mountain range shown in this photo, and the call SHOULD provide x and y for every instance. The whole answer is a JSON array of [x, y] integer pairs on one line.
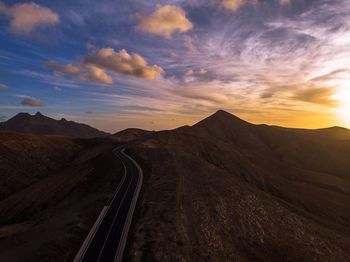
[[43, 125]]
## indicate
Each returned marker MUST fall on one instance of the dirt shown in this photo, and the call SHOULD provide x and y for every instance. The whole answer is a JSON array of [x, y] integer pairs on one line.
[[49, 216], [221, 190], [226, 190]]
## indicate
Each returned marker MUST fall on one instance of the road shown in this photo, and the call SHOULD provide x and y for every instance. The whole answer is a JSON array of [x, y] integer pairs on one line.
[[108, 241]]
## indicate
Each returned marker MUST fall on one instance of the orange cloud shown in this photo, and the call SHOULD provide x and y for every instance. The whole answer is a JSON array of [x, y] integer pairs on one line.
[[189, 43], [202, 71], [283, 2], [26, 17], [317, 95], [199, 72], [3, 86], [165, 21], [190, 72], [67, 69], [123, 63], [233, 5], [94, 66], [97, 74]]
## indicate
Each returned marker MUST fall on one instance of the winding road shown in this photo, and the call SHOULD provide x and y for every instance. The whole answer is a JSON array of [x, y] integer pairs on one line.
[[107, 240]]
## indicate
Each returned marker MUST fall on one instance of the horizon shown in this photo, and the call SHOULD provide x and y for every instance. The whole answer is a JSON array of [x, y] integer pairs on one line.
[[217, 111], [163, 64]]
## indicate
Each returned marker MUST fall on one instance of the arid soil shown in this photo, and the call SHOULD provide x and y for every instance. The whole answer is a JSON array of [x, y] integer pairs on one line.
[[221, 190], [226, 190], [63, 185]]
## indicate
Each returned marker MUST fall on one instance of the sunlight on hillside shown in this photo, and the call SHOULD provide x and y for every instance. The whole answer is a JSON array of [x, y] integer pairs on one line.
[[343, 111], [344, 114]]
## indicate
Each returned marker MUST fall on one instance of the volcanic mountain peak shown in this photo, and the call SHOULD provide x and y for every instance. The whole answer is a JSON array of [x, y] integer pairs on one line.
[[21, 116], [221, 117], [229, 128], [41, 124]]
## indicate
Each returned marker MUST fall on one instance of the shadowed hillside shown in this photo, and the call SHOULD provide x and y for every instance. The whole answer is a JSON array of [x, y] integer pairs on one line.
[[43, 125], [228, 190], [51, 191], [221, 190]]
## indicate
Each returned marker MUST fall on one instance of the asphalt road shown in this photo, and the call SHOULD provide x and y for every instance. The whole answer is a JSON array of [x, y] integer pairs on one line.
[[109, 239]]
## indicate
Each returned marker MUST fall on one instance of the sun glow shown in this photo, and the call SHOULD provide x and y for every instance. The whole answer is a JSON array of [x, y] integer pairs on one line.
[[343, 111]]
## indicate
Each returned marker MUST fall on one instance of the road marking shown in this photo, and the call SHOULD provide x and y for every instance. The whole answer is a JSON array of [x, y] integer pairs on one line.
[[115, 194], [121, 245], [119, 152], [116, 214]]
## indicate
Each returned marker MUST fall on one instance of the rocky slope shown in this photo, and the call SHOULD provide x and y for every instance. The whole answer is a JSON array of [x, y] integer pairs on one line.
[[221, 190], [227, 190], [52, 190], [40, 124]]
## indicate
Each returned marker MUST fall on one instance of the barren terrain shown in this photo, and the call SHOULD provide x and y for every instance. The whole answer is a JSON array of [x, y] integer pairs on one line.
[[221, 190]]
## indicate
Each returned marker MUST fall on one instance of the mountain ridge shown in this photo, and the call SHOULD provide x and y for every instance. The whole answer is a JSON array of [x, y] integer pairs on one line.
[[221, 190], [42, 125]]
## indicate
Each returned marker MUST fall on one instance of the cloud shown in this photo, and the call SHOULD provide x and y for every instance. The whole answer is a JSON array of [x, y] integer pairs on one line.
[[123, 63], [233, 5], [95, 73], [192, 2], [202, 71], [82, 72], [27, 17], [165, 21], [94, 65], [3, 86], [336, 74], [57, 88], [199, 72], [190, 72], [88, 113], [283, 2], [305, 91], [115, 41], [200, 96], [316, 95], [67, 69], [31, 101], [267, 94], [90, 46], [189, 43]]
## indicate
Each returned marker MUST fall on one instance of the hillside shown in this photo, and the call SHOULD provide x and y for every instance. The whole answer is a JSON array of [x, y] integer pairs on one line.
[[228, 190], [220, 190], [43, 125], [52, 189]]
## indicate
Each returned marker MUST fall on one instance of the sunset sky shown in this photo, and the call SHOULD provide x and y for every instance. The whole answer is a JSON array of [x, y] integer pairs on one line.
[[162, 64]]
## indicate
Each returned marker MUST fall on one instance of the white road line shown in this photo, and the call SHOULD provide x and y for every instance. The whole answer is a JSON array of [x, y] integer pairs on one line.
[[100, 222], [119, 255], [116, 214]]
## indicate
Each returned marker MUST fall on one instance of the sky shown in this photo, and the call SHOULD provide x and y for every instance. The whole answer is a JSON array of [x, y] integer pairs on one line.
[[163, 64]]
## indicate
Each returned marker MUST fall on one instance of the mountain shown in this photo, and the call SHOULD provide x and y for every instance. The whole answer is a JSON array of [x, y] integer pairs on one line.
[[40, 124], [52, 188], [130, 134], [220, 190], [228, 190]]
